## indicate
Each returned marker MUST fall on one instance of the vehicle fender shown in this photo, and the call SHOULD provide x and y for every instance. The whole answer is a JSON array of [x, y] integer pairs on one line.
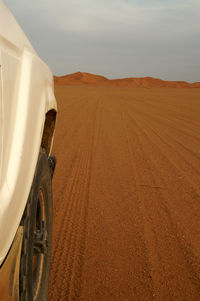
[[34, 97]]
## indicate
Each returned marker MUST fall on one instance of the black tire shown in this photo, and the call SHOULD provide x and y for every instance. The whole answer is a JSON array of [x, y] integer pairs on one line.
[[37, 239]]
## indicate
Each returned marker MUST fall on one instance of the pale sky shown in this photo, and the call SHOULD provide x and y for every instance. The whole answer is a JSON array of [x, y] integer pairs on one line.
[[115, 38]]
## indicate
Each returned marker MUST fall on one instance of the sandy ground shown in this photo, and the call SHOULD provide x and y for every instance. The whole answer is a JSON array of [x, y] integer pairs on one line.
[[126, 195]]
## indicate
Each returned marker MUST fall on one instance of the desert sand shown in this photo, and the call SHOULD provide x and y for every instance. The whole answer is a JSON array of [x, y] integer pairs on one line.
[[126, 194], [84, 78]]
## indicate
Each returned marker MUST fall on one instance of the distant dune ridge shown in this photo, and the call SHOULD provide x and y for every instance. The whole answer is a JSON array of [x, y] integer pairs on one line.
[[84, 78]]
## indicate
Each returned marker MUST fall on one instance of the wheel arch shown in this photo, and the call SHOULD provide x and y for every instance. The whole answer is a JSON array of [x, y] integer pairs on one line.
[[48, 131]]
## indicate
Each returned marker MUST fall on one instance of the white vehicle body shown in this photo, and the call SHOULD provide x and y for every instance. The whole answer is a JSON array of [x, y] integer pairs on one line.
[[27, 119]]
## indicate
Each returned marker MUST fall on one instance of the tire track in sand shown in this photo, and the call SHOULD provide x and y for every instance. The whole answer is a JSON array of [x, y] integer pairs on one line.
[[127, 223], [70, 240], [172, 255]]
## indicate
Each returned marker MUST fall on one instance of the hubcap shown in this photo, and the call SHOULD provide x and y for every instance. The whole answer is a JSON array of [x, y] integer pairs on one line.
[[40, 240], [39, 244]]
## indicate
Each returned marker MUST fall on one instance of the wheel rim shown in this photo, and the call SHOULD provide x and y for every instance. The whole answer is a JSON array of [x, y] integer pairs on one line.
[[39, 243]]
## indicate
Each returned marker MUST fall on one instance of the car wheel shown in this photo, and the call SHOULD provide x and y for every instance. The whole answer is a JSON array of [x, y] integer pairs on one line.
[[37, 238]]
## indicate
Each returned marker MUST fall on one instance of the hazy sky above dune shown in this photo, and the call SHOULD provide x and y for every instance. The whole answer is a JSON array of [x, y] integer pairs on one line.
[[115, 38]]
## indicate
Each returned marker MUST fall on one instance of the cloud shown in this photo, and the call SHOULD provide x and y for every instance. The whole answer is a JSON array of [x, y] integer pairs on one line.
[[146, 36], [94, 15]]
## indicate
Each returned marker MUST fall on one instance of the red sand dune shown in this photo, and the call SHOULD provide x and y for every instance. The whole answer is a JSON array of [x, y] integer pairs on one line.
[[84, 78]]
